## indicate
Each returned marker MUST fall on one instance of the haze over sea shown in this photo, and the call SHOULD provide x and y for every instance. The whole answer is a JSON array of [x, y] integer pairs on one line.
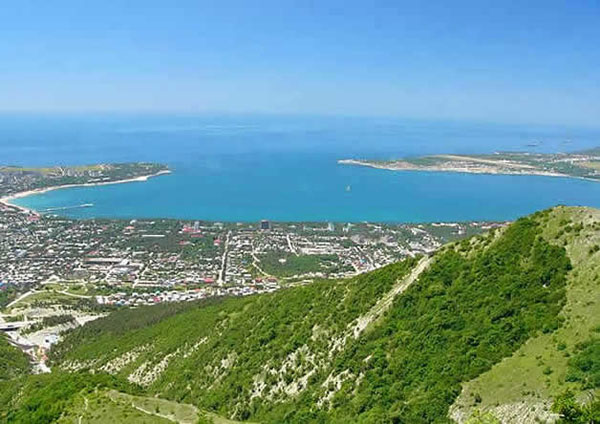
[[246, 168]]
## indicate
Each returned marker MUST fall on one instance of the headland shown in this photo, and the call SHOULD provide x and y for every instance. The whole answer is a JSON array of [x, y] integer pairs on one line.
[[19, 182], [585, 164]]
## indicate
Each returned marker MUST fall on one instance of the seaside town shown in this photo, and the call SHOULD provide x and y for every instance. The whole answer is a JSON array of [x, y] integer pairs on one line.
[[16, 181], [227, 258], [58, 273]]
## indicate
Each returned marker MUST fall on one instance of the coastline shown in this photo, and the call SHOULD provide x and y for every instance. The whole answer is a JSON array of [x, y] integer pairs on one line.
[[480, 171], [7, 200]]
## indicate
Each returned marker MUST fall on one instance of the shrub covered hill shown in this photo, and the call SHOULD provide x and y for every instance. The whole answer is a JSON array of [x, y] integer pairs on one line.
[[501, 327]]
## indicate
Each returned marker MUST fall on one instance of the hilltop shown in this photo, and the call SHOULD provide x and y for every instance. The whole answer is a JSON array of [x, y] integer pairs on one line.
[[497, 326]]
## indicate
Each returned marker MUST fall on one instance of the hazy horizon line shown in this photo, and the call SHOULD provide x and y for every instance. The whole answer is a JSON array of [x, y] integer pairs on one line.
[[275, 114]]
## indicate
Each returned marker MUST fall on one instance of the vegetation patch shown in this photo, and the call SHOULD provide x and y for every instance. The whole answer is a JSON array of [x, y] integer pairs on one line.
[[539, 371], [42, 399], [283, 264], [50, 321], [287, 356], [426, 327], [13, 362], [584, 367], [465, 314]]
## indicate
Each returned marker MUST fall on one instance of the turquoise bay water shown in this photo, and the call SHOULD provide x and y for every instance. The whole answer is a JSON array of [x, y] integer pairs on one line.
[[247, 168]]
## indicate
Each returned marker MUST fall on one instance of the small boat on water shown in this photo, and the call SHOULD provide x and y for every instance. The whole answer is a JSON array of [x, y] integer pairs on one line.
[[62, 208]]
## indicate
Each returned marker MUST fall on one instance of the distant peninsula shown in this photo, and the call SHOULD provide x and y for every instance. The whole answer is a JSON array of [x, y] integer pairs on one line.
[[18, 181], [584, 164]]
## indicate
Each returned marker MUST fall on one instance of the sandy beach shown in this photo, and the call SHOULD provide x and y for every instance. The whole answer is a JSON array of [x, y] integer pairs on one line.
[[483, 169], [7, 200]]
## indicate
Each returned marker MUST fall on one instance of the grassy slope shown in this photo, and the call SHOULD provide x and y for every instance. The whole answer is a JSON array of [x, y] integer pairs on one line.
[[288, 357], [475, 305], [99, 408], [74, 398], [522, 386], [270, 335], [44, 398], [111, 406], [291, 356], [179, 412]]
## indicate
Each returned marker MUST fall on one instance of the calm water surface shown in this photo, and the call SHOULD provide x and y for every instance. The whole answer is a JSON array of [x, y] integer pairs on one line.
[[245, 168]]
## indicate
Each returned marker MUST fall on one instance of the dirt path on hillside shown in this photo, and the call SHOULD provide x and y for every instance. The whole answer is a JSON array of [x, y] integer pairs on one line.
[[386, 301]]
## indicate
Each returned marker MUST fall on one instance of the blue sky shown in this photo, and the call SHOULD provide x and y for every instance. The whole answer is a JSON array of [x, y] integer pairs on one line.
[[531, 61]]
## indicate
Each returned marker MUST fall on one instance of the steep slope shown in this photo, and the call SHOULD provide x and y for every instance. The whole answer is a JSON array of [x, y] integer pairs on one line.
[[239, 354], [13, 362], [393, 345], [45, 398], [522, 387]]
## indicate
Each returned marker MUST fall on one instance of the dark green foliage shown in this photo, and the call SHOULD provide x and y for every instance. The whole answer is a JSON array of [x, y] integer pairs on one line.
[[42, 399], [257, 328], [468, 311], [13, 362], [571, 412], [126, 320], [585, 365], [8, 293], [205, 420], [463, 316], [50, 321]]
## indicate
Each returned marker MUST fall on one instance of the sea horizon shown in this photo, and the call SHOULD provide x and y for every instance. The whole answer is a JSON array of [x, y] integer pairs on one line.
[[246, 168]]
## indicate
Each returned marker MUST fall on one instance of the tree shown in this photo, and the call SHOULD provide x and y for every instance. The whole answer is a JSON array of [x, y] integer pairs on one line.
[[571, 412]]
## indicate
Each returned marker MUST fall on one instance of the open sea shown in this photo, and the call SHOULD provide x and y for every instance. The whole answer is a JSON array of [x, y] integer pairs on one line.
[[246, 168]]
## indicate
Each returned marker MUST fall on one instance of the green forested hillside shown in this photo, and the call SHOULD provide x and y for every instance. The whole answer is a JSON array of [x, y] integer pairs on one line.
[[239, 356], [403, 344], [46, 398], [13, 362], [522, 387]]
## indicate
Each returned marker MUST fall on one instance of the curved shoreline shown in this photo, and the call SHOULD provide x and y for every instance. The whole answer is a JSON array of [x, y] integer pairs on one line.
[[7, 200], [416, 168]]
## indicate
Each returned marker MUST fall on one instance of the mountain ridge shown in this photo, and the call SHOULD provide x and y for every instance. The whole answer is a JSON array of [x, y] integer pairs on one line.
[[411, 342]]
